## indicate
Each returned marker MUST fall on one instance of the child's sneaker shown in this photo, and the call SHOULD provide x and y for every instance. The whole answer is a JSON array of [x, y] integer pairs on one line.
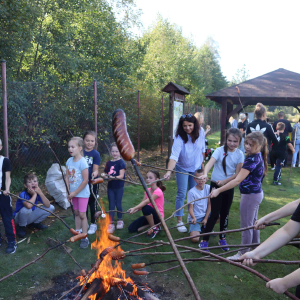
[[299, 166], [21, 231], [181, 227], [273, 168], [204, 244], [11, 247], [84, 243], [153, 232], [222, 242], [276, 183], [120, 224], [111, 228], [294, 165], [93, 229], [236, 256]]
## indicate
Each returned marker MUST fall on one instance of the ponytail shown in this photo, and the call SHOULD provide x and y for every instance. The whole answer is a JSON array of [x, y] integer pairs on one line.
[[224, 159], [159, 183]]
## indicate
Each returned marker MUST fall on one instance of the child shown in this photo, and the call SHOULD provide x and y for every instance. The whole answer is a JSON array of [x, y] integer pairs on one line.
[[227, 161], [279, 151], [28, 214], [250, 183], [150, 216], [115, 188], [5, 204], [278, 239], [77, 178], [199, 210], [92, 157]]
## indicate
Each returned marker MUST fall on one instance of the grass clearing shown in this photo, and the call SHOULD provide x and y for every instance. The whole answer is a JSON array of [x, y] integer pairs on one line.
[[213, 280]]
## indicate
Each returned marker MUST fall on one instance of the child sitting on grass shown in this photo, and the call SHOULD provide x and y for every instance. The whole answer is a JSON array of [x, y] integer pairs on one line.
[[199, 211], [279, 151], [28, 214]]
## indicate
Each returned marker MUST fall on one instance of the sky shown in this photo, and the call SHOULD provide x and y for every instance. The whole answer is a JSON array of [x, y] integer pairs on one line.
[[264, 35]]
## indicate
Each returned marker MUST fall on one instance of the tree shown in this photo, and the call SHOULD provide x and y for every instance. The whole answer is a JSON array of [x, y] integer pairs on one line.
[[241, 75]]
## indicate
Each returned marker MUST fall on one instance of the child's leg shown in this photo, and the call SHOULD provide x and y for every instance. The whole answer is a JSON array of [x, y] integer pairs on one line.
[[135, 225], [92, 203], [248, 211], [22, 216], [148, 213], [7, 218], [225, 208], [82, 203], [279, 163], [119, 196], [196, 239], [39, 215], [111, 203], [256, 233], [76, 213]]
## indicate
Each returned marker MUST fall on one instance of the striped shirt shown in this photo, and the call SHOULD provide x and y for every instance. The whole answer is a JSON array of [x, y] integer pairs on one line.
[[189, 156]]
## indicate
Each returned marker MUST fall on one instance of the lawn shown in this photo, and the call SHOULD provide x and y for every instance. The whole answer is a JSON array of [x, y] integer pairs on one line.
[[213, 280]]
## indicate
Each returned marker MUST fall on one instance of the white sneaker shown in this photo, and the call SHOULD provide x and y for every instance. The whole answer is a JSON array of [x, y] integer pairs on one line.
[[299, 166], [180, 227], [273, 169], [111, 228], [120, 224], [294, 165], [236, 256], [93, 229]]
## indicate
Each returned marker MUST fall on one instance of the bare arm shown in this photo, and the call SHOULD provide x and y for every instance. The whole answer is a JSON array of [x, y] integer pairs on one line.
[[291, 147], [95, 171], [207, 212], [237, 171], [282, 212], [231, 184], [208, 166], [171, 166], [191, 212], [45, 200], [121, 175], [7, 183], [67, 179], [144, 202], [32, 199]]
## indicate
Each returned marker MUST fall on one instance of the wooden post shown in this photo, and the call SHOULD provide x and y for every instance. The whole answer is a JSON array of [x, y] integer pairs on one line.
[[171, 121], [162, 124], [223, 120], [4, 99], [95, 106]]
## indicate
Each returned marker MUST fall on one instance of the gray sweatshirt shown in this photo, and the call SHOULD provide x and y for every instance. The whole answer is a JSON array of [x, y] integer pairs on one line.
[[298, 130]]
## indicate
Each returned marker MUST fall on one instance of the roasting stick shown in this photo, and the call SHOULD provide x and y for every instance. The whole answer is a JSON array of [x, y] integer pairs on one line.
[[107, 177], [62, 174], [290, 295], [127, 151], [154, 167], [72, 240], [73, 231]]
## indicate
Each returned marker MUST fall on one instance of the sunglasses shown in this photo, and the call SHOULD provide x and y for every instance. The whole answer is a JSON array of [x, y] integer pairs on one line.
[[186, 116]]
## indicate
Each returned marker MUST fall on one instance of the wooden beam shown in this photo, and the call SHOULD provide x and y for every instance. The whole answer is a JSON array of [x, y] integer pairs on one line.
[[237, 110], [223, 120]]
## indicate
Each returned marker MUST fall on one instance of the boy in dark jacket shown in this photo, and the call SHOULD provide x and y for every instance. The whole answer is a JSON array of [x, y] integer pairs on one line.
[[279, 151]]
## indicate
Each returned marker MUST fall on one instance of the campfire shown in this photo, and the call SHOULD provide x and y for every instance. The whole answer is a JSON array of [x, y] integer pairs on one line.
[[109, 280]]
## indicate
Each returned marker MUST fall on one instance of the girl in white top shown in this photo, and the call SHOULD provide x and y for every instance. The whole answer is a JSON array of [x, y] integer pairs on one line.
[[187, 147], [227, 161]]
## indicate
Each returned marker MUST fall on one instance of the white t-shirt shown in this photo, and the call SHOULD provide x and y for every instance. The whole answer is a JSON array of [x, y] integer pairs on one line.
[[232, 160], [199, 207], [75, 176]]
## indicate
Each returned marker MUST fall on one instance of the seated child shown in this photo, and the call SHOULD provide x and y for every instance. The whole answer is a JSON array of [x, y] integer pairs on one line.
[[279, 152], [199, 211], [26, 213]]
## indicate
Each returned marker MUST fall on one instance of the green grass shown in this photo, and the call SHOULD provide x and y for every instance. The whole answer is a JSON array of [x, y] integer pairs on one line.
[[213, 280]]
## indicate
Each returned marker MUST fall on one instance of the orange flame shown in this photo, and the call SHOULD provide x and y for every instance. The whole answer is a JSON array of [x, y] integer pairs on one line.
[[109, 271]]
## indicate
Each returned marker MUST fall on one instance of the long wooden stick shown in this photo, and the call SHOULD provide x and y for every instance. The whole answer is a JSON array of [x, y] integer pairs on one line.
[[293, 155], [177, 254]]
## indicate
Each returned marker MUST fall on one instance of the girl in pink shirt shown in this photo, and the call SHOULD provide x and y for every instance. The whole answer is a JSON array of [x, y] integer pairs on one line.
[[150, 216]]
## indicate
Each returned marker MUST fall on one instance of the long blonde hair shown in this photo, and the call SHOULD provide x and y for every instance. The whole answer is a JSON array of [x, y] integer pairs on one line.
[[198, 116]]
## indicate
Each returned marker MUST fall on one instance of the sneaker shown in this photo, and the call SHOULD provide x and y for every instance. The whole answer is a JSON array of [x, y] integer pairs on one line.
[[153, 232], [299, 166], [39, 226], [93, 229], [84, 243], [222, 242], [276, 183], [120, 224], [236, 256], [273, 168], [11, 248], [181, 227], [204, 244], [21, 231], [111, 228], [294, 165]]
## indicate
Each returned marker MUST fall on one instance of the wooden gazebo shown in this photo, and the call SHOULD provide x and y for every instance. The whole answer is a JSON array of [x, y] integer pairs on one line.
[[278, 88]]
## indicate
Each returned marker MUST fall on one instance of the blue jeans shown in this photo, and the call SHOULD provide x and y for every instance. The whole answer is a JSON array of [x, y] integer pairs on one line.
[[297, 147], [242, 146], [182, 182], [115, 199]]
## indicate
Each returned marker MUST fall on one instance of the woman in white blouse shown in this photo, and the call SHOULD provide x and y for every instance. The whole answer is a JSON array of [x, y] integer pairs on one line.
[[187, 157]]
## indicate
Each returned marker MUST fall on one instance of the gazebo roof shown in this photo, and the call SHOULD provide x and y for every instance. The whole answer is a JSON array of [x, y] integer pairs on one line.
[[280, 87], [171, 86]]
